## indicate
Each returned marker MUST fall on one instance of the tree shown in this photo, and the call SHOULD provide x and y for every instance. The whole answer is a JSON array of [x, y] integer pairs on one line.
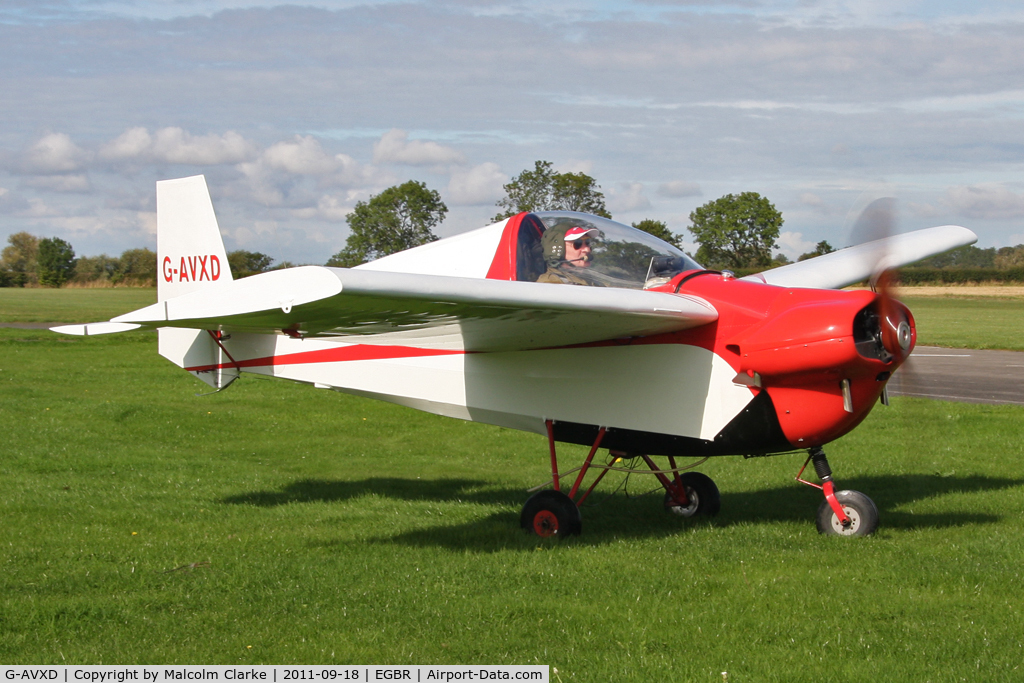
[[736, 231], [962, 257], [660, 230], [822, 248], [93, 268], [544, 189], [245, 263], [398, 218], [137, 266], [55, 262], [19, 258], [1010, 257]]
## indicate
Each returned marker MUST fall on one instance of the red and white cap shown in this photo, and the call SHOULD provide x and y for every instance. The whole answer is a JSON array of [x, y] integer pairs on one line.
[[573, 234]]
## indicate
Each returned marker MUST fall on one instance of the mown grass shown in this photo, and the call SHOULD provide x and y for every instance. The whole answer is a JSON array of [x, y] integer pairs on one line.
[[976, 323], [344, 530], [18, 305]]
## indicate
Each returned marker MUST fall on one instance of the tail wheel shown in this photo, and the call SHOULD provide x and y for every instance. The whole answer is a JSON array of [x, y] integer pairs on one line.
[[859, 508], [701, 493], [551, 513]]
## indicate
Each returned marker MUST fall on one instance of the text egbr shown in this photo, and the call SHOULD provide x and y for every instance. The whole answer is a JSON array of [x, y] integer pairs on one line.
[[192, 269]]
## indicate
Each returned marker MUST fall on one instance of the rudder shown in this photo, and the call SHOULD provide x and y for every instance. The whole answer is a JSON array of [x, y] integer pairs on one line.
[[190, 249]]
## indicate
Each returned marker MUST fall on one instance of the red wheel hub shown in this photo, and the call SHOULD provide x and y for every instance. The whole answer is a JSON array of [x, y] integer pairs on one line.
[[677, 496], [545, 523]]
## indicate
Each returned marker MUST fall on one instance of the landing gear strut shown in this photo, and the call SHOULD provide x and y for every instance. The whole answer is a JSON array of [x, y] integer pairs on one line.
[[842, 513], [552, 512]]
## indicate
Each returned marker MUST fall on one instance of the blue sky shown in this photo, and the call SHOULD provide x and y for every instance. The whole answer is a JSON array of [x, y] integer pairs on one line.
[[295, 112]]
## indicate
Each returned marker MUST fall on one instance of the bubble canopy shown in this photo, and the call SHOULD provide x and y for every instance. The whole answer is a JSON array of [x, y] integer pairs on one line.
[[620, 255]]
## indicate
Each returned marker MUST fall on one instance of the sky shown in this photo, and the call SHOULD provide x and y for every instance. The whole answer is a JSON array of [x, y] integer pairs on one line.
[[296, 111]]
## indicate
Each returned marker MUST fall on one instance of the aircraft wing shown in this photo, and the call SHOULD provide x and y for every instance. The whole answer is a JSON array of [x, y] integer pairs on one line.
[[856, 264], [428, 311]]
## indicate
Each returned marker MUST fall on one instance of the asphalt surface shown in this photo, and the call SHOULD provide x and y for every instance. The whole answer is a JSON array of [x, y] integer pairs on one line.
[[965, 375]]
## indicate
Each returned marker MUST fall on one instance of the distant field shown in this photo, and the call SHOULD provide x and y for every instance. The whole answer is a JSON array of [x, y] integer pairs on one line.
[[277, 523], [71, 305], [977, 323]]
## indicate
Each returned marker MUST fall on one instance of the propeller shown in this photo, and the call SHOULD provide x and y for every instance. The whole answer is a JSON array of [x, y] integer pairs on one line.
[[876, 222]]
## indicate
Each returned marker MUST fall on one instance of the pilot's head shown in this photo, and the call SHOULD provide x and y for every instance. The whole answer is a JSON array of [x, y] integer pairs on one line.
[[577, 246], [568, 244]]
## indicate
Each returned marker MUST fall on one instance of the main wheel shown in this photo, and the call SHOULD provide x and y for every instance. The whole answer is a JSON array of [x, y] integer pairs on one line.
[[551, 513], [859, 508], [702, 494]]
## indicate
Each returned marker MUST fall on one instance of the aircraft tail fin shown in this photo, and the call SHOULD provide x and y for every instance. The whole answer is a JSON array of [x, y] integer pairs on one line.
[[189, 247]]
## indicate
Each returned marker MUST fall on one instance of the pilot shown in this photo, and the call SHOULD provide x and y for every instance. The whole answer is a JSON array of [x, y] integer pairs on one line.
[[567, 252]]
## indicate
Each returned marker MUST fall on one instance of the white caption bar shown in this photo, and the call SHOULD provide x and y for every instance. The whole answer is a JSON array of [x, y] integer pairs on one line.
[[272, 674]]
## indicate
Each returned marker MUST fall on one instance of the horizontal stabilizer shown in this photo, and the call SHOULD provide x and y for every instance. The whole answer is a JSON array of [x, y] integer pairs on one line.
[[95, 328], [856, 264]]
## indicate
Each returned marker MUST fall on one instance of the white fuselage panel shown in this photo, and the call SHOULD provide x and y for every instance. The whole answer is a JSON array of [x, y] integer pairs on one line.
[[662, 388]]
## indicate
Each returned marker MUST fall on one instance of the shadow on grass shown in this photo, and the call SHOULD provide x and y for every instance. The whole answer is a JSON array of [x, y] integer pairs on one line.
[[620, 517], [439, 490]]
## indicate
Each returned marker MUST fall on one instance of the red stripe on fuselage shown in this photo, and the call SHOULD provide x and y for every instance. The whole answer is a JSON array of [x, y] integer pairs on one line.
[[338, 355]]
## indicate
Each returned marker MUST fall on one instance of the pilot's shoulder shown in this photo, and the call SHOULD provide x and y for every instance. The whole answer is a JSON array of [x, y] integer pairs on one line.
[[552, 276]]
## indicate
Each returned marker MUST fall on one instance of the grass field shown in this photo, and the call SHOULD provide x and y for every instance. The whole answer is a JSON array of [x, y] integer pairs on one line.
[[71, 305], [327, 528], [978, 323]]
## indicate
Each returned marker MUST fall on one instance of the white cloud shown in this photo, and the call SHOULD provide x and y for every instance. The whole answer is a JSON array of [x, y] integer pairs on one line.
[[11, 202], [812, 200], [334, 208], [131, 144], [985, 201], [177, 146], [37, 208], [483, 184], [575, 166], [252, 233], [147, 221], [73, 182], [54, 153], [395, 147], [275, 177], [818, 205], [303, 156], [922, 210], [630, 197], [677, 189], [792, 244]]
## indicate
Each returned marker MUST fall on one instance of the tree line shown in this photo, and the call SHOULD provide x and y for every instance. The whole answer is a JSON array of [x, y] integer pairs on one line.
[[737, 232], [51, 262]]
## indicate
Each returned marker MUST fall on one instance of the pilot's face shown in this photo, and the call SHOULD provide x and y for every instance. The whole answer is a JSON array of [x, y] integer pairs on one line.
[[577, 252]]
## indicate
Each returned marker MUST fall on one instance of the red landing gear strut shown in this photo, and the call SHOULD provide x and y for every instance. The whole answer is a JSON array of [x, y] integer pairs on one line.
[[552, 512], [842, 513]]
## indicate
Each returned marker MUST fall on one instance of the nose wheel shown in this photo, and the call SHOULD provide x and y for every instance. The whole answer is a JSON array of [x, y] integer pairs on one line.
[[859, 509], [842, 513]]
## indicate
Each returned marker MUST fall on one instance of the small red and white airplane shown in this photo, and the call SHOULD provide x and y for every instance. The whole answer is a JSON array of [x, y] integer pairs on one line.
[[660, 358]]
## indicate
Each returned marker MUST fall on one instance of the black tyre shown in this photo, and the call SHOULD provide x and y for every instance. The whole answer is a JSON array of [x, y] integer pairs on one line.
[[551, 513], [702, 493], [859, 508]]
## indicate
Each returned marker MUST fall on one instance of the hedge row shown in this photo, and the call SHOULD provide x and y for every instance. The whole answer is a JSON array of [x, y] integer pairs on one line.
[[959, 276], [941, 276]]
